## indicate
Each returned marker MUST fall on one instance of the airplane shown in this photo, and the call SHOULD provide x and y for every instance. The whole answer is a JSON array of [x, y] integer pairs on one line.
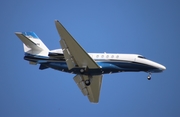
[[87, 67]]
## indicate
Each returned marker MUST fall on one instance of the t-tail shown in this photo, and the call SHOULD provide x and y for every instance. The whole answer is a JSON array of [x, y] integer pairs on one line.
[[33, 46]]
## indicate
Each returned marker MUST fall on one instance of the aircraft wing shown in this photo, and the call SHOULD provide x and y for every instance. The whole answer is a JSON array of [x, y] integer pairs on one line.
[[74, 54], [93, 90]]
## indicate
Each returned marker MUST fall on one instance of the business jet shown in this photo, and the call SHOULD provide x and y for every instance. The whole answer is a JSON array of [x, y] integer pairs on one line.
[[87, 67]]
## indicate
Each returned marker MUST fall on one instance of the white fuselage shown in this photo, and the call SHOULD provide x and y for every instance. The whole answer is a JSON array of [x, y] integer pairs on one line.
[[116, 57]]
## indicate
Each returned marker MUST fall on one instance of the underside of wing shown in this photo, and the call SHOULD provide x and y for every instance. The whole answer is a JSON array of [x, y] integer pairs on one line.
[[74, 54], [93, 90]]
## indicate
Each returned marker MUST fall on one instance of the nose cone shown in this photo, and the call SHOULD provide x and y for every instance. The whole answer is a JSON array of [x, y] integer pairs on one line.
[[159, 67], [162, 67]]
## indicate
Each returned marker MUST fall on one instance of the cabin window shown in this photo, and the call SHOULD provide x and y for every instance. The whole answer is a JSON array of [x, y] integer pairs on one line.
[[102, 56], [97, 56], [112, 56], [107, 56], [117, 56]]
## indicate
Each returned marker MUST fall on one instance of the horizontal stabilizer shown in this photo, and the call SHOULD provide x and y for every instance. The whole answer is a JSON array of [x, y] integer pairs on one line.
[[28, 42], [32, 44]]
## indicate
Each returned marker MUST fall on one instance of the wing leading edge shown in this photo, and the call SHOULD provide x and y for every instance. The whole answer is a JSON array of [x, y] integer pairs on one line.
[[76, 56]]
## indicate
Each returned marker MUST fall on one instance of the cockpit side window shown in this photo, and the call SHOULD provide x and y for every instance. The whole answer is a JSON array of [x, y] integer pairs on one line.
[[141, 57]]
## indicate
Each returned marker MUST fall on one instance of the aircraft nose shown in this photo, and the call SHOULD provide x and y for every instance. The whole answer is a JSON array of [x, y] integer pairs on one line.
[[162, 67]]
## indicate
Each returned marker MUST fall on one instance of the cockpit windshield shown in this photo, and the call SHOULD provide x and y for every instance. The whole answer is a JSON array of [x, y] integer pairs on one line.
[[141, 57]]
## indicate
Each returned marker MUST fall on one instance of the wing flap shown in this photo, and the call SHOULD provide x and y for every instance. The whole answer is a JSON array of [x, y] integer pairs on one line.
[[80, 82], [67, 55]]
